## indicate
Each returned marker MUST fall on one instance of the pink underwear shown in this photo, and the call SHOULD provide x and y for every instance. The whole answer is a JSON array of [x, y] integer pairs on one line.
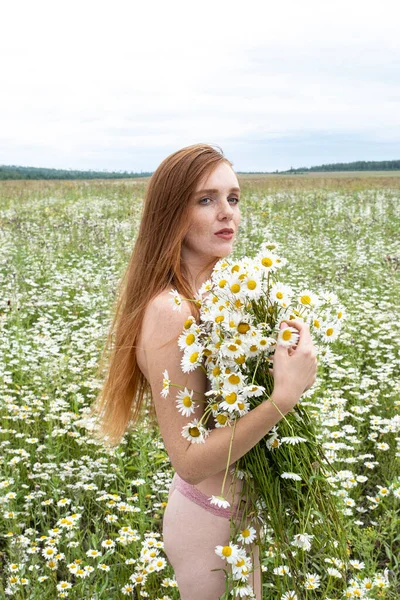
[[195, 495]]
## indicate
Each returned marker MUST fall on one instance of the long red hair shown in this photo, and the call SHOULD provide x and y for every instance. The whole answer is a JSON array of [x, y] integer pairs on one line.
[[154, 265]]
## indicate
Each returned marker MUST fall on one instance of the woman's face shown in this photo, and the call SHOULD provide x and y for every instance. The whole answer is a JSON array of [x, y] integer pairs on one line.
[[214, 217]]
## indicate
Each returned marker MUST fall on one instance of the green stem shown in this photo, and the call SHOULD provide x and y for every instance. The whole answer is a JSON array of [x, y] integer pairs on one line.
[[229, 458]]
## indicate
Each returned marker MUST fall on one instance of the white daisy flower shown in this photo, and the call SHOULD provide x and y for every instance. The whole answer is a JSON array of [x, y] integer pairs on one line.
[[188, 338], [165, 384], [229, 553], [288, 336], [273, 441], [195, 432], [293, 476], [222, 419], [252, 286], [282, 570], [206, 287], [383, 446], [312, 581], [307, 298], [281, 294], [231, 401], [247, 536], [329, 297], [291, 595], [253, 391], [233, 348], [219, 501], [267, 260], [233, 381], [302, 540], [334, 572], [356, 564], [293, 440], [176, 299], [236, 287], [184, 402], [243, 591], [329, 331], [192, 358]]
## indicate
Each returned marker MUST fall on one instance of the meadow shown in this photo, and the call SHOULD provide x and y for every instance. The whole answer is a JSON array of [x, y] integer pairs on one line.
[[83, 521]]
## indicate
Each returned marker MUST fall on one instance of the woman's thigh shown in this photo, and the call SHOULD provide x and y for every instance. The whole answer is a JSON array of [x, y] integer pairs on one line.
[[190, 535]]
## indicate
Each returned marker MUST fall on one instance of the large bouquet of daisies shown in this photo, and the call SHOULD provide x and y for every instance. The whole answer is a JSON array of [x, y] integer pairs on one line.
[[286, 473]]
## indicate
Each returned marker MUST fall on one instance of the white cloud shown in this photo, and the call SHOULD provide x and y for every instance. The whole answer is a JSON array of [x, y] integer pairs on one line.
[[87, 85]]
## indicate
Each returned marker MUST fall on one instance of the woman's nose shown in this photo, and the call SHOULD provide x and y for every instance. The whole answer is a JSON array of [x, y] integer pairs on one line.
[[226, 211]]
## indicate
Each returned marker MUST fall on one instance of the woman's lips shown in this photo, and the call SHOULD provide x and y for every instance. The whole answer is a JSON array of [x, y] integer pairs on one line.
[[225, 234]]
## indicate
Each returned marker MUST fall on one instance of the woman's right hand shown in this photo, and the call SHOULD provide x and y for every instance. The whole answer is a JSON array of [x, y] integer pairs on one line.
[[295, 368]]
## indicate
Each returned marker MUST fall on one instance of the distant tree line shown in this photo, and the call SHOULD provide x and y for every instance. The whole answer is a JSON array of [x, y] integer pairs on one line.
[[360, 165], [14, 172]]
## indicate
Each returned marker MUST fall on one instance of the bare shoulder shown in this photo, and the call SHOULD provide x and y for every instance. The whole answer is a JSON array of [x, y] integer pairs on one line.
[[162, 322]]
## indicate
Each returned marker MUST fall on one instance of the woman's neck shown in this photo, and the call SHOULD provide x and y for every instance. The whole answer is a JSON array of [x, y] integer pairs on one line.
[[197, 274]]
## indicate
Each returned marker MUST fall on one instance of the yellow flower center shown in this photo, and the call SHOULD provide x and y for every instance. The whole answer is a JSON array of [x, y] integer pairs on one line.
[[243, 327], [226, 551], [266, 262], [286, 335], [193, 357], [305, 299], [231, 398], [235, 288], [235, 269], [219, 319], [190, 339], [222, 283], [234, 379], [216, 371], [194, 432], [253, 348], [251, 284], [245, 533], [187, 323], [186, 401], [317, 324], [279, 295], [329, 331], [232, 347], [222, 419], [240, 360]]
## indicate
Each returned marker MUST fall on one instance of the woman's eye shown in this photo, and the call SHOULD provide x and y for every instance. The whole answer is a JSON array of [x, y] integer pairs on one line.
[[205, 201], [234, 200]]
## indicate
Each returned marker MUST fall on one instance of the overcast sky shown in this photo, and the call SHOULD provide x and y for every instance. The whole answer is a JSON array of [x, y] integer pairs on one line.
[[121, 85]]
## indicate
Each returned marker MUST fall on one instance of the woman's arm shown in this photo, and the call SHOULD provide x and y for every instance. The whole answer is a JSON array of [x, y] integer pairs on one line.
[[195, 462]]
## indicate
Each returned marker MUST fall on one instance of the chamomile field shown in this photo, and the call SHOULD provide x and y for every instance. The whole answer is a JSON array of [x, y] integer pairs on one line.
[[82, 521]]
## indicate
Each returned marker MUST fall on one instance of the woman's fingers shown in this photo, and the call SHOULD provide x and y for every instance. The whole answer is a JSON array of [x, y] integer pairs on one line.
[[305, 340]]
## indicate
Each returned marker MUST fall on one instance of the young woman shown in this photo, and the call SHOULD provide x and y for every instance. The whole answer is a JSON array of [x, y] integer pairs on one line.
[[190, 219]]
